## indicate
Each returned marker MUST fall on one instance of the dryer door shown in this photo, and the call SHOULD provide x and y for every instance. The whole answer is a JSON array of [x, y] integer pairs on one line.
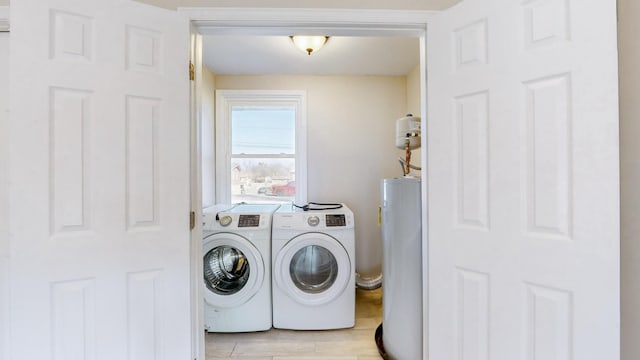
[[312, 268], [233, 270]]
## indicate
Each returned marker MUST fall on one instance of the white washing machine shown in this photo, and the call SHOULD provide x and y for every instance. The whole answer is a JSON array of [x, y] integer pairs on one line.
[[313, 269], [237, 267]]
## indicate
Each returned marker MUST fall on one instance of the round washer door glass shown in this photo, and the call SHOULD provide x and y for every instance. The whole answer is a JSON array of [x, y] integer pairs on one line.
[[313, 269], [226, 270]]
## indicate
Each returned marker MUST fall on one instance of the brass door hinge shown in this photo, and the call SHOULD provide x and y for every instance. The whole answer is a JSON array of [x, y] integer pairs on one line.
[[192, 71], [192, 220]]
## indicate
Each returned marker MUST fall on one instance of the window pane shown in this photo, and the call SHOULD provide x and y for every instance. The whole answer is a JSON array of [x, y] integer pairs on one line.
[[260, 180], [262, 130]]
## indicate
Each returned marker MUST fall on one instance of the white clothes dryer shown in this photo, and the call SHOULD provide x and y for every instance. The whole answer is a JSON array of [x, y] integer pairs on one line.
[[237, 267], [313, 269]]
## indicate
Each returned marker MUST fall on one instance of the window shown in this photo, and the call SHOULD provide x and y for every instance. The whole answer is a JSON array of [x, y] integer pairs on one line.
[[261, 147], [263, 155]]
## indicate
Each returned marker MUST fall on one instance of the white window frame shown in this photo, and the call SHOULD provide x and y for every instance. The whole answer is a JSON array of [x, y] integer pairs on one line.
[[225, 101]]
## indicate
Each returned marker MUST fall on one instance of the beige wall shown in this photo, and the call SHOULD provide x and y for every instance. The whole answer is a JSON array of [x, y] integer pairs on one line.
[[413, 107], [413, 91], [208, 136], [629, 57], [350, 144]]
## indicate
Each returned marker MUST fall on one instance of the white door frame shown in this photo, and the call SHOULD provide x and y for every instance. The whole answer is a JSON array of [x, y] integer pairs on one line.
[[4, 220], [331, 22]]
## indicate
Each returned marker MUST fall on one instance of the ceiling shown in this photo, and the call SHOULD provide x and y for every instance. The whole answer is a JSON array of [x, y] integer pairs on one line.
[[341, 55]]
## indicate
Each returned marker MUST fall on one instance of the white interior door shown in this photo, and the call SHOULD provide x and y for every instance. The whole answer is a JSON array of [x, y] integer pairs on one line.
[[523, 181], [99, 252]]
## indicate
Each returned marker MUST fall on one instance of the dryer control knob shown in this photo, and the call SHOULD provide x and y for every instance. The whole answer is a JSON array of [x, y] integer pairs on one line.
[[225, 220], [313, 221]]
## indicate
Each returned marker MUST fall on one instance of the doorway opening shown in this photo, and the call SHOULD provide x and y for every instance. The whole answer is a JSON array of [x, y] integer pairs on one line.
[[399, 28]]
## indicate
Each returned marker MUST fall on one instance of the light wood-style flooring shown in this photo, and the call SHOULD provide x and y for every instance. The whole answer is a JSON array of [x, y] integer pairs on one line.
[[357, 343]]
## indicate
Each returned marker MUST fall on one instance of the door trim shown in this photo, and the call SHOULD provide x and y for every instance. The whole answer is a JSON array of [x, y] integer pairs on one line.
[[332, 22]]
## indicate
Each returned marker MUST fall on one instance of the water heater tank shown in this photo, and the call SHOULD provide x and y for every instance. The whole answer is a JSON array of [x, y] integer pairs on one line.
[[408, 129], [402, 268]]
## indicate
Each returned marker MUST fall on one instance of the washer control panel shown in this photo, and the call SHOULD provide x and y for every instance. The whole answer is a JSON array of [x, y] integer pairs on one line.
[[249, 220], [246, 217], [333, 220]]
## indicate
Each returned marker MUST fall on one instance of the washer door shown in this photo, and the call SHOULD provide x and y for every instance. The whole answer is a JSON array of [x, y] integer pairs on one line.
[[233, 270], [312, 268]]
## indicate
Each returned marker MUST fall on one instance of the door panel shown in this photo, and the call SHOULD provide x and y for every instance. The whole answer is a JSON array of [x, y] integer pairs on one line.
[[523, 181], [100, 181]]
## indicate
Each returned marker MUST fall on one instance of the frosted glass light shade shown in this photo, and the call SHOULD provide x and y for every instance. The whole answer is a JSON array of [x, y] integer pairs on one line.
[[309, 44]]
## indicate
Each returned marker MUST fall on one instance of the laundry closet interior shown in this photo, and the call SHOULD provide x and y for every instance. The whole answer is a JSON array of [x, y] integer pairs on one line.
[[351, 93]]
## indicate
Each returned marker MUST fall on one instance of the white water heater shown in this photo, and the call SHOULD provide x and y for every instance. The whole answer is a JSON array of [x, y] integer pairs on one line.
[[400, 334], [402, 268]]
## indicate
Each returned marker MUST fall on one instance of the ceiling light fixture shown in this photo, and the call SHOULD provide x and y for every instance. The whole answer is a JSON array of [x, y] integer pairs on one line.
[[309, 44]]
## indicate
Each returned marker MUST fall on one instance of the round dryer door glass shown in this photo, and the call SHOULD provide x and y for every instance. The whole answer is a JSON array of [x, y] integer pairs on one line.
[[226, 270], [313, 269]]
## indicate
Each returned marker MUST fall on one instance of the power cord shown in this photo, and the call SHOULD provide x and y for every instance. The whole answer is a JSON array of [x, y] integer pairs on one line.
[[318, 206]]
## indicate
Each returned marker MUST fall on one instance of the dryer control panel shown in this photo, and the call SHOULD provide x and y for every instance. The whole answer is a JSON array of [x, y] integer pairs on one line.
[[316, 220]]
